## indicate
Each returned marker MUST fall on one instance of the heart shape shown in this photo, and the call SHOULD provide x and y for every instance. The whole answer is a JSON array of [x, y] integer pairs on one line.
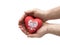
[[32, 24]]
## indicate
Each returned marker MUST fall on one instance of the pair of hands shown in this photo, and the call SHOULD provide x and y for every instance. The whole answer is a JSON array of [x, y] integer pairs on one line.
[[46, 27], [36, 13]]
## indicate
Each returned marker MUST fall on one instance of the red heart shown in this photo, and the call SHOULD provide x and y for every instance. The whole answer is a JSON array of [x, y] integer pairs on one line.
[[32, 24]]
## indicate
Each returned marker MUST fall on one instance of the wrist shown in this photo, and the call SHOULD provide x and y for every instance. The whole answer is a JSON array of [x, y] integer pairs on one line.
[[52, 28], [47, 15]]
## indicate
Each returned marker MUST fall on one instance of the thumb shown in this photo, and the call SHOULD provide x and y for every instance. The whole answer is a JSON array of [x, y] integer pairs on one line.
[[30, 11]]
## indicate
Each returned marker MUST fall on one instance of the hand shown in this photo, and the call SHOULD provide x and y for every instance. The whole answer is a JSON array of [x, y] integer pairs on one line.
[[36, 13], [42, 31], [46, 28]]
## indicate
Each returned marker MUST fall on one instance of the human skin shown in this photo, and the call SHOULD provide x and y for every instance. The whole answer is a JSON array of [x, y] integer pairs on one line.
[[46, 28], [36, 13], [53, 13], [54, 29]]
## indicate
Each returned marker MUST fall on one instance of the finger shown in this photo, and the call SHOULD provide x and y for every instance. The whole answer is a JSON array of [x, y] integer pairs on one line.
[[33, 35], [22, 19], [36, 13], [24, 30], [43, 30], [32, 10], [29, 11]]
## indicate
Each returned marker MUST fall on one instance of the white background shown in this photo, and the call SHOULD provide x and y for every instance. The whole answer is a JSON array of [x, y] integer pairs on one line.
[[12, 10]]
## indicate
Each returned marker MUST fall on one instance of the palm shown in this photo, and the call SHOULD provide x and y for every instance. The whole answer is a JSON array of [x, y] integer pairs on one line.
[[42, 31]]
